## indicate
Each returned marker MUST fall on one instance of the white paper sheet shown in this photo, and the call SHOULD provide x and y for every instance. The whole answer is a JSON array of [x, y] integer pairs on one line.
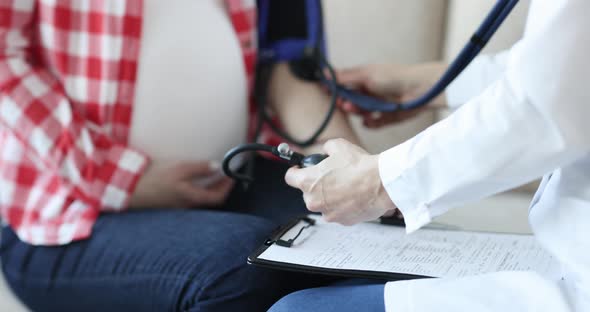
[[428, 252]]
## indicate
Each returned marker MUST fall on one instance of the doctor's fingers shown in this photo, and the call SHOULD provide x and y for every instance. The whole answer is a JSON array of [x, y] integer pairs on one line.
[[337, 207], [354, 77], [315, 202], [381, 80], [302, 179], [349, 107]]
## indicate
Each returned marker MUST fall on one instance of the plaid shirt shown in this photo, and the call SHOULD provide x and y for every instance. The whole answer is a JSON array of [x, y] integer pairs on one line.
[[67, 78]]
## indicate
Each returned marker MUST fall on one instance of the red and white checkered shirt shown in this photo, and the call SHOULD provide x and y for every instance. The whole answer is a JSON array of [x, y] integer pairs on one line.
[[67, 78]]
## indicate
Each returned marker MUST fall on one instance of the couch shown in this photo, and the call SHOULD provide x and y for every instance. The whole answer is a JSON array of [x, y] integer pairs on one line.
[[407, 32]]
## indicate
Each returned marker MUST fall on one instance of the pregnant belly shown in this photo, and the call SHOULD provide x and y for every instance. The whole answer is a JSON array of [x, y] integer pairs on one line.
[[191, 93], [171, 134]]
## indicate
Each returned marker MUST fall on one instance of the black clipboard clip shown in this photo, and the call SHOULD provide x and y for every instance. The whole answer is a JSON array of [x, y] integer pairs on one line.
[[397, 219], [394, 220], [289, 243]]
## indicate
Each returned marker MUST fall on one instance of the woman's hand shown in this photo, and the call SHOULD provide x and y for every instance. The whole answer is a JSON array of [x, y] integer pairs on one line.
[[177, 186], [399, 83], [346, 187]]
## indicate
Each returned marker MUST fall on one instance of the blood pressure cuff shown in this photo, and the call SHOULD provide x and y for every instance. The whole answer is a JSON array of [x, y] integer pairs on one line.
[[286, 28]]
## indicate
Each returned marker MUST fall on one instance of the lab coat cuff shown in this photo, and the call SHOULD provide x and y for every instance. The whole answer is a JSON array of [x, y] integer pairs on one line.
[[401, 190], [398, 295]]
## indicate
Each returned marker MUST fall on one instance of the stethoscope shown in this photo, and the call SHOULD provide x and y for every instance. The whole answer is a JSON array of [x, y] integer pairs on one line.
[[311, 67]]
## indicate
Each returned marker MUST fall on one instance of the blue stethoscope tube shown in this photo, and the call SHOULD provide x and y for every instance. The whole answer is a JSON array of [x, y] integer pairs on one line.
[[484, 33]]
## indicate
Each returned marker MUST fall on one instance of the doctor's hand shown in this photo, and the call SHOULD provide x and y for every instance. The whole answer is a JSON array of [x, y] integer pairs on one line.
[[345, 187], [399, 83], [177, 186]]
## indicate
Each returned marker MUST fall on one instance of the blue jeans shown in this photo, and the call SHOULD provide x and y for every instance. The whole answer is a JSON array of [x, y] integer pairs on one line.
[[165, 260], [349, 296]]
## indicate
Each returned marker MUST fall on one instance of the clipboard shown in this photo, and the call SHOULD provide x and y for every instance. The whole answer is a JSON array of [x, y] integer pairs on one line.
[[526, 254]]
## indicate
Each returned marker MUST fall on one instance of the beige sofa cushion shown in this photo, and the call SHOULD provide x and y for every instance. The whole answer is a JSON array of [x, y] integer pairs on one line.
[[384, 30], [465, 16]]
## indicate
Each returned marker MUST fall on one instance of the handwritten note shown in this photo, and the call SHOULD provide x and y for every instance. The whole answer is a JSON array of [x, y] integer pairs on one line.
[[428, 252]]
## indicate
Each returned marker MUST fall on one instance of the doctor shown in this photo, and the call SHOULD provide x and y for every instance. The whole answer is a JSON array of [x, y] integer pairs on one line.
[[527, 114]]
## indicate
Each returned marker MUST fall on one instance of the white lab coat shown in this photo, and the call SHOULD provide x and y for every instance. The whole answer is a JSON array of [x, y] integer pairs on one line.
[[528, 114]]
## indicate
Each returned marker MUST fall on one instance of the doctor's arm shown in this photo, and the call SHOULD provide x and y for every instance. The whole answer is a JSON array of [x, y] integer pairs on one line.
[[529, 122]]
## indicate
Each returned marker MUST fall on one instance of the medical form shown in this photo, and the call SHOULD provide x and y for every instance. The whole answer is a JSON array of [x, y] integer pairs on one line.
[[373, 247]]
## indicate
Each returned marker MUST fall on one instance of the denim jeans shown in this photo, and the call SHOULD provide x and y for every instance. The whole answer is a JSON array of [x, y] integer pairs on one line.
[[351, 296], [165, 260]]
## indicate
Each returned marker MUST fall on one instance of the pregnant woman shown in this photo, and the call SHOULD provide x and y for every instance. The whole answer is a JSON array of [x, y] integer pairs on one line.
[[113, 117]]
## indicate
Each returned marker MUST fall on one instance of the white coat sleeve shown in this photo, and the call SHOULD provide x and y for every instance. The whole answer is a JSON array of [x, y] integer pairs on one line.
[[533, 119], [504, 291], [480, 74]]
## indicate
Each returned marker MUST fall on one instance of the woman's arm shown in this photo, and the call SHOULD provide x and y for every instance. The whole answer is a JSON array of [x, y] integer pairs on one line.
[[302, 106]]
